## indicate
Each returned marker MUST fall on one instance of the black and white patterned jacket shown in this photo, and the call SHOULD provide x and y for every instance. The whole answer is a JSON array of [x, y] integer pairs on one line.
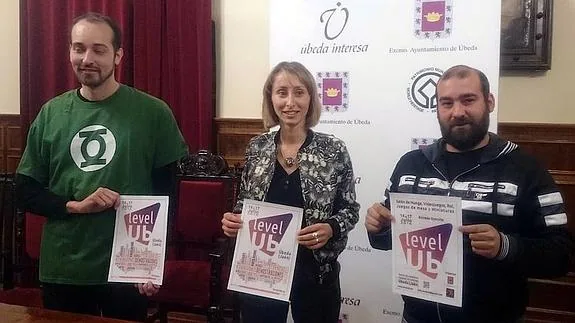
[[509, 190], [327, 184]]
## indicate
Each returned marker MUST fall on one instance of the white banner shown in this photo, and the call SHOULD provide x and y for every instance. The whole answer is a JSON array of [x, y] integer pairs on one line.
[[376, 63]]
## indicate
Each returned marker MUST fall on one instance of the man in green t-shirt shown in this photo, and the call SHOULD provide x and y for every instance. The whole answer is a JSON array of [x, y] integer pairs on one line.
[[85, 148]]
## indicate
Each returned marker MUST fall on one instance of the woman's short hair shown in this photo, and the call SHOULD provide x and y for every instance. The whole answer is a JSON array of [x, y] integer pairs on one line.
[[269, 116]]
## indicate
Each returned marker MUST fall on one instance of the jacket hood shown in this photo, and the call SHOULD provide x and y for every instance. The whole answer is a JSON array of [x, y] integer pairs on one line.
[[496, 148]]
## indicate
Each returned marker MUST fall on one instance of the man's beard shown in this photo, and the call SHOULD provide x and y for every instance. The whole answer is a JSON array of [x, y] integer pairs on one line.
[[464, 139], [95, 80]]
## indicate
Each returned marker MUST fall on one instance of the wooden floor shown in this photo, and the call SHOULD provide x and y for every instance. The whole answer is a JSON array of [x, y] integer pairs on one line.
[[186, 318], [176, 317]]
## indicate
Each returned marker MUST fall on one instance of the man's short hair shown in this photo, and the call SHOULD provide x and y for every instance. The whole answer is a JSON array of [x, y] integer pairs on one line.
[[463, 71], [269, 116], [95, 17]]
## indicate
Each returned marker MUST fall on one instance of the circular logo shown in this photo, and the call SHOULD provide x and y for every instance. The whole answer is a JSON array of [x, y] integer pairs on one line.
[[421, 91], [93, 147]]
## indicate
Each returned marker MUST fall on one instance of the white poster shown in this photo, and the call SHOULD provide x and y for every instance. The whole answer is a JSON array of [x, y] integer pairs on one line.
[[266, 250], [139, 247], [428, 257], [376, 64]]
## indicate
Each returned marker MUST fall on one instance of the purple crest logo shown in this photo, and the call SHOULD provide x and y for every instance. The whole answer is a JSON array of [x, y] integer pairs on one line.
[[140, 224], [433, 19], [424, 249], [267, 233], [333, 90], [418, 143]]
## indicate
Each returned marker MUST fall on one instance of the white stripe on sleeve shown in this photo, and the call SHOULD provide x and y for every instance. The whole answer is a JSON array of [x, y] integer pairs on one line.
[[556, 219], [550, 199]]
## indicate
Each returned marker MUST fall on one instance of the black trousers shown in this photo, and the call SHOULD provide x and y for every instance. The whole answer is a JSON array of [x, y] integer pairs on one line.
[[312, 301], [120, 301]]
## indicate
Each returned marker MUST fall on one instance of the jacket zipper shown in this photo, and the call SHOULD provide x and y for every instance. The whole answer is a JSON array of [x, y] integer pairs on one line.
[[449, 194], [456, 177]]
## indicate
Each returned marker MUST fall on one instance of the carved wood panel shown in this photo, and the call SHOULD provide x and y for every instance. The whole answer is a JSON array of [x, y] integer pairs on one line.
[[554, 146], [10, 143], [233, 136]]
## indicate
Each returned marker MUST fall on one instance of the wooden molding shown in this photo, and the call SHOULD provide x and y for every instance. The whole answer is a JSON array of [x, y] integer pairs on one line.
[[233, 135], [537, 132], [563, 177], [552, 144], [10, 142], [541, 315], [548, 300], [13, 119]]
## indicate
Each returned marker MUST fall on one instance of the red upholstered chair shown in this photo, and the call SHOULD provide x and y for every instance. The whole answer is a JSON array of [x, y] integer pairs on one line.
[[7, 222], [34, 225], [196, 270], [27, 255], [21, 236]]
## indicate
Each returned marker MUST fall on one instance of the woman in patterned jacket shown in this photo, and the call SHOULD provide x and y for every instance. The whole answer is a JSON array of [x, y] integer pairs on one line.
[[298, 167]]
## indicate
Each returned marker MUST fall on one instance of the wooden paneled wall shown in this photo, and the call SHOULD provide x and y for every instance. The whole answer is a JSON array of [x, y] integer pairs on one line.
[[233, 135], [10, 143], [553, 145]]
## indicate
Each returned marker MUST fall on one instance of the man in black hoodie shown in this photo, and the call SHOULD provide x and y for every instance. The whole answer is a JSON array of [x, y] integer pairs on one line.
[[515, 225]]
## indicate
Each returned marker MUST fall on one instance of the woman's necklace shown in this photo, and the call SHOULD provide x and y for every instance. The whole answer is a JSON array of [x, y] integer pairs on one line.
[[289, 161]]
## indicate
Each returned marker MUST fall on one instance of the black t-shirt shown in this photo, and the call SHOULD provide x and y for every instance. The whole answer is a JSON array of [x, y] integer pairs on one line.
[[285, 189], [457, 163]]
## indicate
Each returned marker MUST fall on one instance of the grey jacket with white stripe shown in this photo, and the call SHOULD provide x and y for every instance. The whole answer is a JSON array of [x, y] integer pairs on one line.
[[509, 190]]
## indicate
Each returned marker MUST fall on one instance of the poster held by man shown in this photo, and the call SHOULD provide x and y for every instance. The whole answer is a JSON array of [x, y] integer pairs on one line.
[[139, 247]]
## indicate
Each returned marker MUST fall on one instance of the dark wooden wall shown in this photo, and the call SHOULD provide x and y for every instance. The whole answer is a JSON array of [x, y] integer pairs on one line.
[[553, 144], [233, 135], [10, 143]]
